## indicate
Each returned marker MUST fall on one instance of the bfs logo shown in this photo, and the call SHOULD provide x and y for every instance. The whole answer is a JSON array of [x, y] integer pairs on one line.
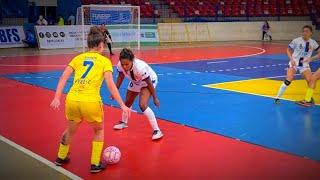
[[9, 35]]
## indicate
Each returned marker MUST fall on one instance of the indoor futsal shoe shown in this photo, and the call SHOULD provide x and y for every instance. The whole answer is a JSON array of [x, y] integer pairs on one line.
[[277, 101], [96, 169], [157, 134], [120, 125], [304, 103], [60, 162]]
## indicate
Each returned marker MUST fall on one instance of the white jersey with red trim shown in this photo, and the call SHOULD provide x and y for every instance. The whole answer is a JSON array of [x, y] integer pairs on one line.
[[139, 72]]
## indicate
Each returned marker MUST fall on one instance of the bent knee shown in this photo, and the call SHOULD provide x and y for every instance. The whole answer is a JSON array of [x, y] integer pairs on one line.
[[143, 107], [312, 81], [287, 82]]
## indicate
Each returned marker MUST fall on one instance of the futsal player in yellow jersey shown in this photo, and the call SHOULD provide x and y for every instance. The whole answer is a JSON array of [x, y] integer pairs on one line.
[[83, 101]]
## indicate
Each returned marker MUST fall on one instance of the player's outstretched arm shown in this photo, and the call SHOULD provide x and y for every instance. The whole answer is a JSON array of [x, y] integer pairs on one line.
[[115, 93], [153, 92], [313, 58], [119, 82], [120, 79], [62, 82]]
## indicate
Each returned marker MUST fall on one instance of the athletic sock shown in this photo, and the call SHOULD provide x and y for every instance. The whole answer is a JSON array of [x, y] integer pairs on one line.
[[309, 95], [96, 152], [282, 89], [152, 118], [63, 151]]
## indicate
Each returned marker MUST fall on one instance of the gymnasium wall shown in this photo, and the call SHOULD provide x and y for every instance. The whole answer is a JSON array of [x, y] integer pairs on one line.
[[65, 9], [229, 31]]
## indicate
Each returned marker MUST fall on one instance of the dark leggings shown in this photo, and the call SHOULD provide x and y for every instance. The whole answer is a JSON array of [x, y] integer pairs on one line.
[[109, 47], [264, 33]]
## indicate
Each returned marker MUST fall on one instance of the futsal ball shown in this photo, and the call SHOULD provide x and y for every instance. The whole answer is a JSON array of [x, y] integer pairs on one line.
[[111, 155]]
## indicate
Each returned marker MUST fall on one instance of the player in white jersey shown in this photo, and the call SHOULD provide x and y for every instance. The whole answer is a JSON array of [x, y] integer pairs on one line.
[[143, 81], [299, 50]]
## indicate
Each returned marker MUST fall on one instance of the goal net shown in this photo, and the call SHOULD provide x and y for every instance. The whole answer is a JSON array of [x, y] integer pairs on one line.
[[122, 22]]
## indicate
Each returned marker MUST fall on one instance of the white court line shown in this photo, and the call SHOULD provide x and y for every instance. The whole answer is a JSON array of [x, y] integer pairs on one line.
[[196, 72], [39, 158], [250, 93], [270, 77], [262, 51], [218, 62], [74, 52]]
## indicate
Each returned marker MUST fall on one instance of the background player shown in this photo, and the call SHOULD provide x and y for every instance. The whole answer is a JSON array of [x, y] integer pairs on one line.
[[299, 49], [107, 36], [143, 81], [83, 101]]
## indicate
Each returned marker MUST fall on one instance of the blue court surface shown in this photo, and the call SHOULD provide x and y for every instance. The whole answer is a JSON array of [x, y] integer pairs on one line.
[[251, 118]]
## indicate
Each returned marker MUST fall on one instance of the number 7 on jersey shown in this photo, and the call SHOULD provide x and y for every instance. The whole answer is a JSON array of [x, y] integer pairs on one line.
[[90, 65]]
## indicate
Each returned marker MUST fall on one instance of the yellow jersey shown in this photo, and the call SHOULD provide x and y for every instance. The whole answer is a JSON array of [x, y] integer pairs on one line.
[[89, 69]]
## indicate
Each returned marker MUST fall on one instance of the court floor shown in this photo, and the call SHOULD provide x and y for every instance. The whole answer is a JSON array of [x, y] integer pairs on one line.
[[217, 114]]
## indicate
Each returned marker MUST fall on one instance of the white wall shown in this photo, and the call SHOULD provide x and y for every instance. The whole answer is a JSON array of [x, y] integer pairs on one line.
[[229, 31]]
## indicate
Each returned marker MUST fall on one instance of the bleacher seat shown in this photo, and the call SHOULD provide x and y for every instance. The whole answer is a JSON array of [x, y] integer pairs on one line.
[[226, 8], [237, 8]]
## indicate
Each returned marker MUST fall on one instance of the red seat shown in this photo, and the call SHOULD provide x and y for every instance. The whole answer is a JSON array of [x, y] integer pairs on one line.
[[210, 8]]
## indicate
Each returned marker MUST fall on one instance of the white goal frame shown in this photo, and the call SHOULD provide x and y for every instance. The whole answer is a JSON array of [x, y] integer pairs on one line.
[[109, 6]]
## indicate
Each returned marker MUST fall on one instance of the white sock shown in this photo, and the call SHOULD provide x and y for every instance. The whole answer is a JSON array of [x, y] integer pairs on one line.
[[152, 118], [282, 89], [124, 118]]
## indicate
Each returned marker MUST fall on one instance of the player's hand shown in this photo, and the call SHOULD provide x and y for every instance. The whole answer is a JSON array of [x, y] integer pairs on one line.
[[55, 104], [156, 102], [126, 111], [307, 60], [293, 63]]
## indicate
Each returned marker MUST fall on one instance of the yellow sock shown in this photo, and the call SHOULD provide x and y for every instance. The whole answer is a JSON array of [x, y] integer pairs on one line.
[[63, 151], [96, 152], [309, 95]]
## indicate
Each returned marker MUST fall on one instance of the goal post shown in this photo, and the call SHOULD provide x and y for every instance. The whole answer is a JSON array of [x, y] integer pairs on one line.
[[122, 22]]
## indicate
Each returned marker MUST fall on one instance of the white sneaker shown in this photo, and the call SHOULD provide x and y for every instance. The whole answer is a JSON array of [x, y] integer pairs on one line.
[[121, 125], [157, 134]]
